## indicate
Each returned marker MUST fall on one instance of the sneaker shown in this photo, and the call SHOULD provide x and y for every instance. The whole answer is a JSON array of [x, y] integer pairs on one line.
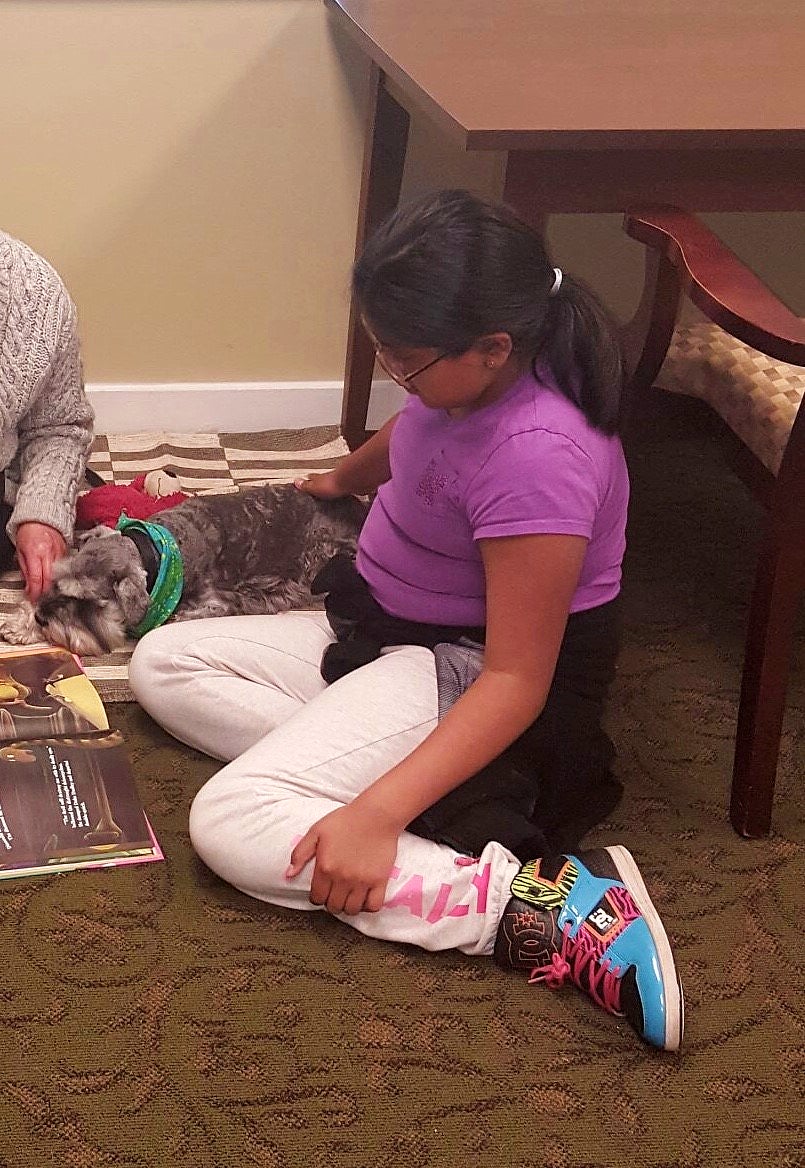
[[588, 918]]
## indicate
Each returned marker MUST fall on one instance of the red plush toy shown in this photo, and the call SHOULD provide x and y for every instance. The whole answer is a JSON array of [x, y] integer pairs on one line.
[[140, 499]]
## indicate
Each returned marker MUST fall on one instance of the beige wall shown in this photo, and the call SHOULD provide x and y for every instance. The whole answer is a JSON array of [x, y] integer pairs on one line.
[[192, 168]]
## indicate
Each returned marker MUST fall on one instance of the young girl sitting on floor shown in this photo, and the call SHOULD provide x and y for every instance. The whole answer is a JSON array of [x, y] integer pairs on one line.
[[434, 791]]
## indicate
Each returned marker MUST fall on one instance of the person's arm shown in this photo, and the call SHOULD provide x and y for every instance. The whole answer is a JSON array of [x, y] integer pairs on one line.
[[530, 582], [359, 473], [54, 438]]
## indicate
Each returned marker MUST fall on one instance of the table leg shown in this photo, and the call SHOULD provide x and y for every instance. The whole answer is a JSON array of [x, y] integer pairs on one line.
[[517, 194], [383, 162]]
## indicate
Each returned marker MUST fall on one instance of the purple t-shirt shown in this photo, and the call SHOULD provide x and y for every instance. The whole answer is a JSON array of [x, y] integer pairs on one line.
[[528, 463]]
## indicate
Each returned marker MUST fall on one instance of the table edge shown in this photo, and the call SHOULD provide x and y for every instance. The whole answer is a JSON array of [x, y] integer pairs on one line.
[[784, 138]]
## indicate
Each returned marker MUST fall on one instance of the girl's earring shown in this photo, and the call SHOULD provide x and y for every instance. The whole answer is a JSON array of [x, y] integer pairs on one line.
[[490, 364]]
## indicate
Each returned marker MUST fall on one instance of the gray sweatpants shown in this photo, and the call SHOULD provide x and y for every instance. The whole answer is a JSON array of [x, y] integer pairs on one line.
[[248, 690]]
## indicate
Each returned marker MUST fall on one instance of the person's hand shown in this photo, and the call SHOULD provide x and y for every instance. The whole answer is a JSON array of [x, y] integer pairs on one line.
[[354, 852], [322, 486], [38, 548]]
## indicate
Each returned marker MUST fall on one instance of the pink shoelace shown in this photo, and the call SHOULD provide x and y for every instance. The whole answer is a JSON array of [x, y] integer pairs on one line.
[[577, 956]]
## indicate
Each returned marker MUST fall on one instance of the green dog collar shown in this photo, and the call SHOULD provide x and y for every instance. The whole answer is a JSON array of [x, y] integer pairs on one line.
[[167, 591]]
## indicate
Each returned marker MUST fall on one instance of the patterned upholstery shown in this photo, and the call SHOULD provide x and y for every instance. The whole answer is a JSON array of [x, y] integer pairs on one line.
[[756, 396]]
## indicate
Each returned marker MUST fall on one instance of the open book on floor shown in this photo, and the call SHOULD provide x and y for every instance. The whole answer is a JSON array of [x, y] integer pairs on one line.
[[67, 792]]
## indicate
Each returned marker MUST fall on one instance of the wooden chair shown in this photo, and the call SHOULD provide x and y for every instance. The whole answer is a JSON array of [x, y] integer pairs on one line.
[[746, 361]]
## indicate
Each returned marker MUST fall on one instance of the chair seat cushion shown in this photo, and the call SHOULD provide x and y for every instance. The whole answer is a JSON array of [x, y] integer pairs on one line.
[[757, 396]]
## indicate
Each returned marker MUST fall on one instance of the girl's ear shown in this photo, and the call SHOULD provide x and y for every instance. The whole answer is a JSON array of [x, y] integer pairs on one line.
[[495, 345]]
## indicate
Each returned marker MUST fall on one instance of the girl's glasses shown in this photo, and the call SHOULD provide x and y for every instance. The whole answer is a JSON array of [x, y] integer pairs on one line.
[[403, 379], [395, 372]]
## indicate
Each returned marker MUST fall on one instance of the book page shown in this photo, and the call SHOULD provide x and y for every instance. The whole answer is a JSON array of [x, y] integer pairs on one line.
[[67, 802], [44, 692]]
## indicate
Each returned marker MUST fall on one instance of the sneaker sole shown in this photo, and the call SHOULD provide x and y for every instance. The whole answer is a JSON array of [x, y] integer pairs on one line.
[[674, 1001]]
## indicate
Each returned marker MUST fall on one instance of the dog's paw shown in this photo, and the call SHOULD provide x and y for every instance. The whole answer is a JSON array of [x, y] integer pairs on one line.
[[201, 611], [19, 627]]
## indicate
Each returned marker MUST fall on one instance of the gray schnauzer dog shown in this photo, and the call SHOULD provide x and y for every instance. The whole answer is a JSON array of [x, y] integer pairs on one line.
[[253, 551]]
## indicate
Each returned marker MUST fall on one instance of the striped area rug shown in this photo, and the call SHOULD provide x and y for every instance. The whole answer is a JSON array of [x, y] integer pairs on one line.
[[205, 464]]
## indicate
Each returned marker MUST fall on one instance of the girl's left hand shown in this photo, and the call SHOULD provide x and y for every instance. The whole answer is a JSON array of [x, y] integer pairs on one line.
[[354, 851], [38, 548]]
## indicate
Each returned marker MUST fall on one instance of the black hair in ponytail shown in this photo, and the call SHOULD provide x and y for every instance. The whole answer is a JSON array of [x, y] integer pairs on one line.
[[448, 268]]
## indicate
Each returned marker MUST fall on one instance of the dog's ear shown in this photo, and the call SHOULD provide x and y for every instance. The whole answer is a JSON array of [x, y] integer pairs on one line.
[[132, 598], [80, 587], [99, 532]]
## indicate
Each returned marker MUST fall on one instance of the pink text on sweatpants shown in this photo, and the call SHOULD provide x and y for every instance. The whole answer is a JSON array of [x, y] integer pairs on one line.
[[411, 896]]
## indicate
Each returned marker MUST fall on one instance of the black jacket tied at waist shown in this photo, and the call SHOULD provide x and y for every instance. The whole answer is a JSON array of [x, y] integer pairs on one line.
[[363, 628], [554, 782]]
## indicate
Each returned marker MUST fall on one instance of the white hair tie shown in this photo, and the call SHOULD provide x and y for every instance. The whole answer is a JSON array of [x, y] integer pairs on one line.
[[557, 281]]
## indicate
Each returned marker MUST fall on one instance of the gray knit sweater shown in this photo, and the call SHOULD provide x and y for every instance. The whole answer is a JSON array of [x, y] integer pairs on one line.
[[45, 418]]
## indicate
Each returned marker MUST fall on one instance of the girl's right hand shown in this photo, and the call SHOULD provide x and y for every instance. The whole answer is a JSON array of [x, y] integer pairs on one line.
[[322, 486]]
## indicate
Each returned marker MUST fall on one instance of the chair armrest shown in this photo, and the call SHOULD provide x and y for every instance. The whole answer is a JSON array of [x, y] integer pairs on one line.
[[722, 287]]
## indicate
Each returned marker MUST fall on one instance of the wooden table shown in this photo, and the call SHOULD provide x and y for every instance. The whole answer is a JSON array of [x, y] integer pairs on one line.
[[598, 104]]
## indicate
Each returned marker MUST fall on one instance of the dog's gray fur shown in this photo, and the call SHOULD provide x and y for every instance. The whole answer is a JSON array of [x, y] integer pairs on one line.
[[253, 551]]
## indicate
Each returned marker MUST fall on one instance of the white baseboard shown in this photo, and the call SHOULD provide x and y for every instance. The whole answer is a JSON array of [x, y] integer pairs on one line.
[[229, 406]]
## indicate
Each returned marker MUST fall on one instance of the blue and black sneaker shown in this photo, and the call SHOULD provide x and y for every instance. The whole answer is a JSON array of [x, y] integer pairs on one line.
[[588, 918]]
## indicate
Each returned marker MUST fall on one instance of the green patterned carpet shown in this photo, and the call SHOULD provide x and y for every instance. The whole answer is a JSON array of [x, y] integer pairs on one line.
[[152, 1016]]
